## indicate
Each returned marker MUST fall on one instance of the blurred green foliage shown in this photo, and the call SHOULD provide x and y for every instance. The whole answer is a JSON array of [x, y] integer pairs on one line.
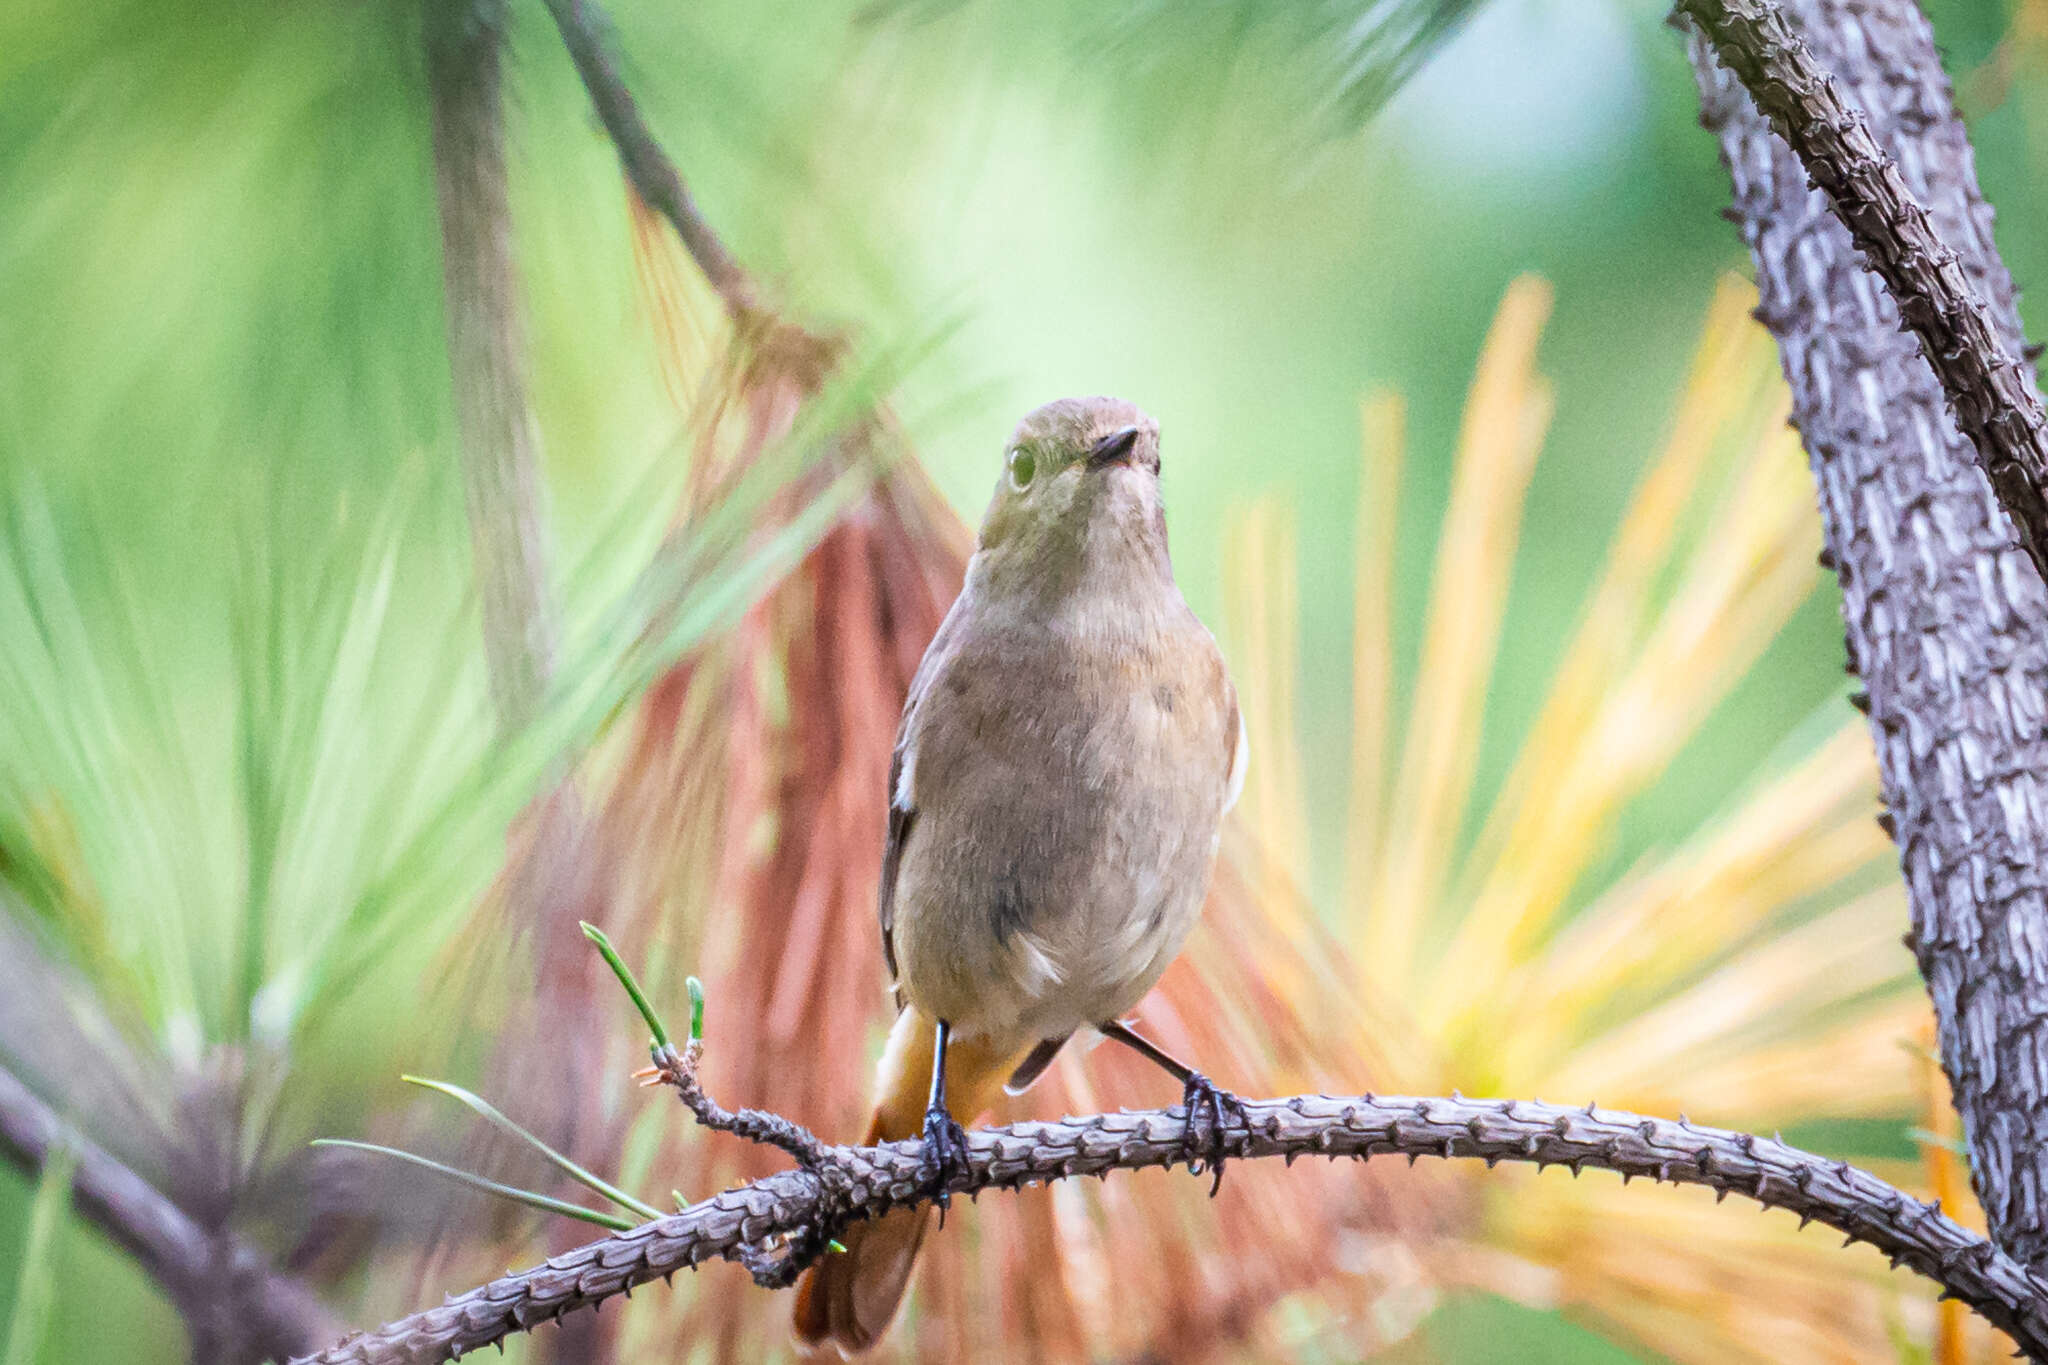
[[221, 347]]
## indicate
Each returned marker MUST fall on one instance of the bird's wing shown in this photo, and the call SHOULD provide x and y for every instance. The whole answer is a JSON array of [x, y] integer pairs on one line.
[[903, 779], [901, 817]]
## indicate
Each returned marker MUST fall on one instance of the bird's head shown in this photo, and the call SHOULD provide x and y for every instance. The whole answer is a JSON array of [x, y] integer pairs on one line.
[[1078, 497]]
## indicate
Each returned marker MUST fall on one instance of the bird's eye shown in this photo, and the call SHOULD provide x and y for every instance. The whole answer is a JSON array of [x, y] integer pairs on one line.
[[1023, 469]]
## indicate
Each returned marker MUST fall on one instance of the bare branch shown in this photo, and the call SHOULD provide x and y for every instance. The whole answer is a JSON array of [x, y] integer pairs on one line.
[[274, 1314], [1990, 389], [654, 177], [860, 1182]]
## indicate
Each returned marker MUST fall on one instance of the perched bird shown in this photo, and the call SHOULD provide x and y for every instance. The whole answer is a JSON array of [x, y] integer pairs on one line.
[[1068, 749]]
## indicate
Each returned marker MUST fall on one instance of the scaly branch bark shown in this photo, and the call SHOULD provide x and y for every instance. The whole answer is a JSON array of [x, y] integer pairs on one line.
[[1990, 389], [1947, 620], [274, 1315], [855, 1182]]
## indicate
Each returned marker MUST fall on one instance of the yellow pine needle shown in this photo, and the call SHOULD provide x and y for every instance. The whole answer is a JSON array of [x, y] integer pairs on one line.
[[1764, 1020], [1938, 1117], [1383, 419], [1739, 587], [1733, 978], [1506, 417], [1765, 992], [1794, 838], [1299, 965], [1260, 562], [682, 310], [1850, 1070], [1731, 356], [1696, 1281]]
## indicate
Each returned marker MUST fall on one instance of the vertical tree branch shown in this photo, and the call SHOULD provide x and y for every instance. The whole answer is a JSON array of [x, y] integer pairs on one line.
[[1946, 616], [548, 883], [1990, 391], [487, 351]]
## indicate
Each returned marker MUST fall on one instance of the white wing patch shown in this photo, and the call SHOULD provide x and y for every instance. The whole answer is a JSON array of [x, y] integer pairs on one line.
[[905, 795], [1037, 972], [1233, 781]]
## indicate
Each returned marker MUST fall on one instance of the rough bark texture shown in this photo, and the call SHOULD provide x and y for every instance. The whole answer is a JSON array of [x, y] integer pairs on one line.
[[863, 1181], [1947, 619], [240, 1311], [1990, 389]]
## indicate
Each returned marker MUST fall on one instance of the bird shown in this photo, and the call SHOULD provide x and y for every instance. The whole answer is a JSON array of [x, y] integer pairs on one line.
[[1067, 751]]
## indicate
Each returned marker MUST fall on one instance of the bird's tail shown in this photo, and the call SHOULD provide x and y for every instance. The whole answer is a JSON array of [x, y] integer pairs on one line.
[[847, 1299]]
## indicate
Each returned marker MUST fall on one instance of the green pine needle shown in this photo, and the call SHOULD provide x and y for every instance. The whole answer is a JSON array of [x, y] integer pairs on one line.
[[476, 1182], [35, 1284], [491, 1115], [1928, 1138], [625, 976]]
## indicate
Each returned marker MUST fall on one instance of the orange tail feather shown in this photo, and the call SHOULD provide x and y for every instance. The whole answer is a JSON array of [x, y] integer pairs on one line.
[[848, 1300]]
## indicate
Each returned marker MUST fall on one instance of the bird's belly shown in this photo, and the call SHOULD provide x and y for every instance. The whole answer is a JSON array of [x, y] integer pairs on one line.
[[1099, 968], [1037, 942]]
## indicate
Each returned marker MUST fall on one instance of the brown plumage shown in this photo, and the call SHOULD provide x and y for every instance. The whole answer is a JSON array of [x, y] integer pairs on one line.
[[1060, 775]]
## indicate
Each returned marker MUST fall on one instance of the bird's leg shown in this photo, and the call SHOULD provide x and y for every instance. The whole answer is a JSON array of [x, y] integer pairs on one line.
[[945, 1142], [1207, 1105]]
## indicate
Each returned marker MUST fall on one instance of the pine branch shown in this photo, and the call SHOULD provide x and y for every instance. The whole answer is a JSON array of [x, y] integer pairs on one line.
[[653, 176], [216, 1276], [487, 352], [1990, 389], [1946, 621], [806, 1204]]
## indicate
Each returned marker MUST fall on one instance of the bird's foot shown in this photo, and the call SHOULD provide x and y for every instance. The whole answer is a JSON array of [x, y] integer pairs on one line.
[[945, 1155], [1210, 1113]]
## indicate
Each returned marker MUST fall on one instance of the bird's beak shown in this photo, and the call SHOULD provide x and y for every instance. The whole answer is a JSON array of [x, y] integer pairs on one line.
[[1114, 448]]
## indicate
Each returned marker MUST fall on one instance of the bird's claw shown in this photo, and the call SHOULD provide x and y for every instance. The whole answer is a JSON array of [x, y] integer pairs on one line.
[[945, 1155], [1213, 1109]]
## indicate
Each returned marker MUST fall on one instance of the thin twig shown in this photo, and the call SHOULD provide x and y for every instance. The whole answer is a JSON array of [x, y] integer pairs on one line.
[[679, 1069], [277, 1314], [861, 1182], [777, 1264], [1990, 389], [653, 176]]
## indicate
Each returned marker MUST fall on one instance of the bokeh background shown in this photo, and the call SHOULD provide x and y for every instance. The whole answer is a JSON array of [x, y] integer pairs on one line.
[[254, 808]]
